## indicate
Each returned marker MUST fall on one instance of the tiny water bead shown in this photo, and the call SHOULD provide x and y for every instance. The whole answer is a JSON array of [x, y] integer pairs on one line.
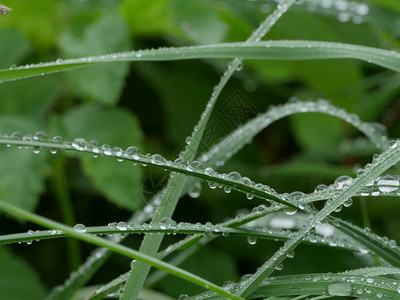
[[106, 149], [210, 171], [16, 135], [343, 182], [195, 166], [79, 144], [181, 162], [339, 289], [388, 183], [246, 181], [195, 191], [39, 136], [158, 159], [122, 226], [80, 228], [289, 210], [234, 176], [252, 240]]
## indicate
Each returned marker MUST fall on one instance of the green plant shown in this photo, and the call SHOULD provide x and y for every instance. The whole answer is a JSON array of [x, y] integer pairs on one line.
[[292, 217]]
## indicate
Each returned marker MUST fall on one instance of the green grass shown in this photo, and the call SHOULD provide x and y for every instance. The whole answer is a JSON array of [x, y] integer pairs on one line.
[[322, 176]]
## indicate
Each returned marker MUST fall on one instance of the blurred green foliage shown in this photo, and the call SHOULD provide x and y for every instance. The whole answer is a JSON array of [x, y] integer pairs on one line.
[[155, 106]]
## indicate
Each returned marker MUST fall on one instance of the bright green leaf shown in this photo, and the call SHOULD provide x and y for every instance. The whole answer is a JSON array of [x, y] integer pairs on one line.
[[146, 17], [119, 182], [21, 170], [18, 281], [103, 83], [18, 47], [199, 21]]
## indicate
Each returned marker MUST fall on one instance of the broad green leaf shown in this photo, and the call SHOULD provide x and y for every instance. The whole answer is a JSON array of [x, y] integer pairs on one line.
[[329, 131], [18, 281], [32, 98], [103, 83], [146, 17], [22, 171], [199, 21], [119, 182], [17, 49]]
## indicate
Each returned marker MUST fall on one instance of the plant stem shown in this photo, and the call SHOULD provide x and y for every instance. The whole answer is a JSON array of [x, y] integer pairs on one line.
[[60, 188]]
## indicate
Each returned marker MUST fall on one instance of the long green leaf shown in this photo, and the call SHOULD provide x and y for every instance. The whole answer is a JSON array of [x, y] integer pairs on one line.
[[53, 225], [273, 50]]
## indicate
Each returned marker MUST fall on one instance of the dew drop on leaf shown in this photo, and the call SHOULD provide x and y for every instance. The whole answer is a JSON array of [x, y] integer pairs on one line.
[[339, 289], [388, 183], [195, 191], [252, 240], [80, 228], [122, 226], [79, 144]]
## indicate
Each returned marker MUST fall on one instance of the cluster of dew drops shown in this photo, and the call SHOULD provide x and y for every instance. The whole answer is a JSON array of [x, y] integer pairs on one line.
[[132, 153]]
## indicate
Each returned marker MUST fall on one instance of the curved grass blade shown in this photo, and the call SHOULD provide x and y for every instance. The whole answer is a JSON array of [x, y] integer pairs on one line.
[[271, 50], [324, 284], [332, 284], [151, 244], [234, 142], [383, 247], [14, 210], [387, 159]]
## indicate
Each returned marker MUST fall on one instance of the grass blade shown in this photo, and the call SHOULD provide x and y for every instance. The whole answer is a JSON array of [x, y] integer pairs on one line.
[[11, 209], [272, 50]]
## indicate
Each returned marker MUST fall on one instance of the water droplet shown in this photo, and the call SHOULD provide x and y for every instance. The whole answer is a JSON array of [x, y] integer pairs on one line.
[[158, 159], [339, 289], [133, 263], [16, 135], [348, 202], [122, 226], [195, 166], [289, 210], [210, 171], [195, 191], [246, 181], [249, 196], [343, 182], [252, 240], [279, 267], [36, 149], [79, 144], [117, 151], [183, 297], [227, 189], [106, 149], [212, 185], [290, 254], [40, 135], [388, 183], [181, 162], [164, 222], [80, 228], [234, 176], [320, 188]]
